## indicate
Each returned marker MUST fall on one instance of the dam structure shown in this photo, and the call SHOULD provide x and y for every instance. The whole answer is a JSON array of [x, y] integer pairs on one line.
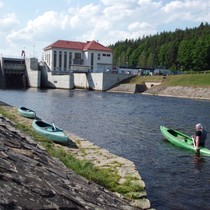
[[26, 72]]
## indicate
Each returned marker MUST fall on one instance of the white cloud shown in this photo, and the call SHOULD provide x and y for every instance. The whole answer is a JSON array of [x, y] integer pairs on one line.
[[8, 21], [139, 26], [41, 25], [107, 21], [191, 10], [117, 2], [1, 4]]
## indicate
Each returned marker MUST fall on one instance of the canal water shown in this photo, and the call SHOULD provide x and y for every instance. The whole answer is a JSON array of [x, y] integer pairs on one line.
[[128, 125]]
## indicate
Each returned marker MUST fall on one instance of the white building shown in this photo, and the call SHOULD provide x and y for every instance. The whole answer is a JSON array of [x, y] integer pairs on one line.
[[65, 56]]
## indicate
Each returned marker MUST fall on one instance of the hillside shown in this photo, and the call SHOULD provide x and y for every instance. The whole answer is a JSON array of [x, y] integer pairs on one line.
[[196, 86], [192, 80]]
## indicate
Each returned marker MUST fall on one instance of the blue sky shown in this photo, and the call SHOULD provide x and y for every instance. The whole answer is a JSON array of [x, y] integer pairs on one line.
[[33, 25]]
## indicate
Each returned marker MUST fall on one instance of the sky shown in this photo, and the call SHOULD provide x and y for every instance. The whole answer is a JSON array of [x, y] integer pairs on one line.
[[35, 24]]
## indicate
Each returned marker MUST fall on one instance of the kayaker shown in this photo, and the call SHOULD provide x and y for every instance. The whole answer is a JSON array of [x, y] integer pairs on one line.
[[200, 136]]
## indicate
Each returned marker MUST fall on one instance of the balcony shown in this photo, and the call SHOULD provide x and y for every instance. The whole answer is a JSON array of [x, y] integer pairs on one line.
[[78, 61]]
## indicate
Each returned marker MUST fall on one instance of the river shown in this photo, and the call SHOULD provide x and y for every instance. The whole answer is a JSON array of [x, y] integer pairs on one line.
[[128, 125]]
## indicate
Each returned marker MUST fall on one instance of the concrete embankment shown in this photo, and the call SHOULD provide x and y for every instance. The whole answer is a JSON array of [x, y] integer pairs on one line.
[[128, 88], [31, 179], [161, 90], [180, 91]]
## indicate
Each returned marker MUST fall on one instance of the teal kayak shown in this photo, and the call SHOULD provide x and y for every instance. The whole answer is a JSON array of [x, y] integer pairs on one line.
[[50, 131], [25, 112], [181, 140]]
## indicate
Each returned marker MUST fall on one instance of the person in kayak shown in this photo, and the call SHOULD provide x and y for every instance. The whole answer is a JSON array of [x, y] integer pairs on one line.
[[200, 136]]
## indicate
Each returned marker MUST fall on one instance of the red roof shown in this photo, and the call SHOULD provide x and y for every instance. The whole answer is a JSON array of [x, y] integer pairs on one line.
[[90, 45]]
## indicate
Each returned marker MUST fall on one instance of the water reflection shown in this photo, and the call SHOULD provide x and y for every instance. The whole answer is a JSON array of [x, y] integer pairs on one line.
[[199, 161]]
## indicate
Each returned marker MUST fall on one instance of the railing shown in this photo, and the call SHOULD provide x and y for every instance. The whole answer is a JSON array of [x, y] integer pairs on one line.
[[14, 66], [77, 61], [12, 56]]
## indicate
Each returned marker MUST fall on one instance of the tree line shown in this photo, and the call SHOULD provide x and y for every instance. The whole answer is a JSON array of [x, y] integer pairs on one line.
[[187, 49]]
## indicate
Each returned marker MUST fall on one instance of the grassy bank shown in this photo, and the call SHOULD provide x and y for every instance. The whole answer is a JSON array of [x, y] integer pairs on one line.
[[107, 177], [193, 80]]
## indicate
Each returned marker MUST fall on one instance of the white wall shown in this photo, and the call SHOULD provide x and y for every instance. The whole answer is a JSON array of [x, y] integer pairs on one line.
[[60, 81], [34, 75], [95, 81], [101, 65]]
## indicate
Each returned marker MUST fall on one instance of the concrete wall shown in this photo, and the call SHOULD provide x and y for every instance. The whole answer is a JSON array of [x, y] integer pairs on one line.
[[38, 75], [58, 81], [151, 84], [33, 73], [94, 81], [109, 80], [2, 78], [97, 81]]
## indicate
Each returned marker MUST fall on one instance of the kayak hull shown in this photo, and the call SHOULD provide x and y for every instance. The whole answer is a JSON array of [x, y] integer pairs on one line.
[[28, 113], [49, 131], [181, 140]]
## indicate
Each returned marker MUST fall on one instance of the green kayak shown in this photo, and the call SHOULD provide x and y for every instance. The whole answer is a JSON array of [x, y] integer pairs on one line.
[[181, 140], [25, 112], [50, 131]]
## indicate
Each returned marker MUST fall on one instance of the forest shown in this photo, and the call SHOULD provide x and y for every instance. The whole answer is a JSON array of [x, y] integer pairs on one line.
[[183, 50]]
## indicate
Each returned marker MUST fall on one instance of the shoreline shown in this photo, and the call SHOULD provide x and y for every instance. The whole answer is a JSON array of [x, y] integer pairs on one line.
[[202, 93], [197, 93], [85, 150]]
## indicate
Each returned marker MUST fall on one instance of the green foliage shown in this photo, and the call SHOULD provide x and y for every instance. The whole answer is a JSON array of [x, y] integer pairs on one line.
[[179, 50], [106, 177]]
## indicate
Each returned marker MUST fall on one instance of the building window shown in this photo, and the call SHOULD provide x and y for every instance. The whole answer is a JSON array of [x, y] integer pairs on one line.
[[65, 60], [78, 55], [99, 56], [92, 60], [55, 59], [78, 58], [60, 60], [108, 55], [70, 58]]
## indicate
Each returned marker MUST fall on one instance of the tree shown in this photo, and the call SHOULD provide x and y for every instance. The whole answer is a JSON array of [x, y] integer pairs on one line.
[[189, 49], [185, 54]]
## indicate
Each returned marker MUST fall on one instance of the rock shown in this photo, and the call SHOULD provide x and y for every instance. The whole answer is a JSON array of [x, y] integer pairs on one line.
[[31, 179]]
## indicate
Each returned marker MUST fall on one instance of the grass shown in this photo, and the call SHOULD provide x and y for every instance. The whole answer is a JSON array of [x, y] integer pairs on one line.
[[142, 79], [107, 177], [193, 80]]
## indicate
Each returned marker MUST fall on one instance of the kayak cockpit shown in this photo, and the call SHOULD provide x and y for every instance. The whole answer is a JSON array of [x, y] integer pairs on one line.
[[172, 132], [180, 137]]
